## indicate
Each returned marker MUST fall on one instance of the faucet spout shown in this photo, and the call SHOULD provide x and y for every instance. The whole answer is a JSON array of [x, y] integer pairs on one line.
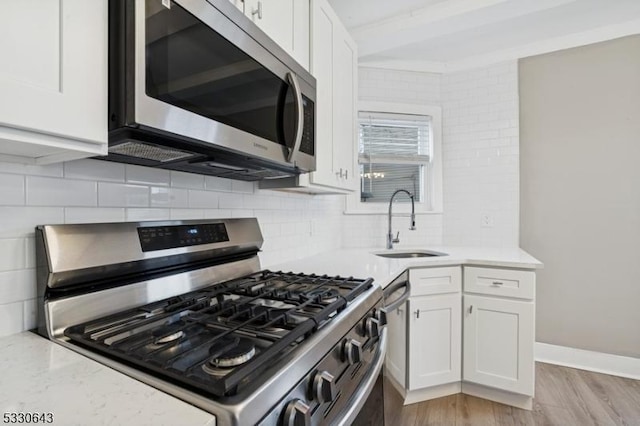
[[390, 239]]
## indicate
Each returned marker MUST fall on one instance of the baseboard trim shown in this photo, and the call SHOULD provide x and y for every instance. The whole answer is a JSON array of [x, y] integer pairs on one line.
[[508, 398], [433, 392], [581, 359]]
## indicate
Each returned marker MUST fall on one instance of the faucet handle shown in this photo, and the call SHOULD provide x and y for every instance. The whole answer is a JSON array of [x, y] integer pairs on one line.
[[396, 239]]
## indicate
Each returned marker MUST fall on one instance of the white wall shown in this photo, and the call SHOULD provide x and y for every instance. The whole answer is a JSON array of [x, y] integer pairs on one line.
[[293, 225], [481, 156], [480, 152], [394, 87]]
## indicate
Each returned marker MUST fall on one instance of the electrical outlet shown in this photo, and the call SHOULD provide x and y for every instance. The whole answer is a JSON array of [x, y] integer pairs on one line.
[[486, 220]]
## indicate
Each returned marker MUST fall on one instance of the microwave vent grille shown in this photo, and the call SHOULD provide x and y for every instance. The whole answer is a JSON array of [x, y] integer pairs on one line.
[[149, 152]]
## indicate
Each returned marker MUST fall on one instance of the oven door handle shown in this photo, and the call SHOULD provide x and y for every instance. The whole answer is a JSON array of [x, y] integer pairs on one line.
[[293, 79], [392, 288]]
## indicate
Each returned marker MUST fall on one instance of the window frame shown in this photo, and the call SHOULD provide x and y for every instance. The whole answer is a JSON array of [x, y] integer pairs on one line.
[[432, 204]]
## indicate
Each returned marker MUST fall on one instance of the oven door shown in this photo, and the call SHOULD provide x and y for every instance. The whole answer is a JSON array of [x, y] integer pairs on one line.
[[202, 71]]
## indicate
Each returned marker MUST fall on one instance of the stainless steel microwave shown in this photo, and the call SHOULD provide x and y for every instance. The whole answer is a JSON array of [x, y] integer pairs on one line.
[[196, 86]]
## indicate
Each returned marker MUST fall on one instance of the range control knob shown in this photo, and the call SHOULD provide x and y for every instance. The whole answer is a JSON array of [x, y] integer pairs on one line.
[[381, 316], [352, 351], [372, 327], [297, 413], [324, 387]]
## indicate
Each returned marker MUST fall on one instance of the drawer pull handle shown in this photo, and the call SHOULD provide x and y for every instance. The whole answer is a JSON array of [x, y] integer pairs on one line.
[[471, 309], [497, 283], [417, 314]]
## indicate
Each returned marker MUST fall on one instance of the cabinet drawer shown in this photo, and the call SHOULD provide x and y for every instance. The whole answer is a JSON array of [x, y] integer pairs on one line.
[[500, 282], [426, 281]]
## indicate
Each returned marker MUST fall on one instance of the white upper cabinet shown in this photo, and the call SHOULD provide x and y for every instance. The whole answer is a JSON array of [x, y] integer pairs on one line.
[[285, 21], [53, 80], [334, 64]]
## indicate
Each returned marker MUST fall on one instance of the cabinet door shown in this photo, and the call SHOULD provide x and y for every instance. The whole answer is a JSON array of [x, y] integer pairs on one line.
[[396, 358], [53, 78], [498, 343], [344, 109], [334, 65], [435, 333], [286, 22]]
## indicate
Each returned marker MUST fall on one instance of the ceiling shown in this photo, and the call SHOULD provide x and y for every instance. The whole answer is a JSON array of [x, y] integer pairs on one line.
[[447, 35]]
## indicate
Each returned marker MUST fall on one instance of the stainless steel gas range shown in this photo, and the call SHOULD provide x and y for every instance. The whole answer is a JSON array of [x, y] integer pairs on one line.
[[184, 307]]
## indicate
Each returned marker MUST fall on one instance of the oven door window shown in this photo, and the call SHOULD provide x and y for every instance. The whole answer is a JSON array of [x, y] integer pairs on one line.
[[191, 66]]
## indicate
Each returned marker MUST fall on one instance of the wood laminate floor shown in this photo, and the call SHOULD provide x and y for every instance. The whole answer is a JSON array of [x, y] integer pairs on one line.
[[564, 397]]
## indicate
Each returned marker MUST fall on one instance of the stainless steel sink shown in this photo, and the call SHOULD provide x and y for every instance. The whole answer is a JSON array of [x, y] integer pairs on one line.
[[409, 254]]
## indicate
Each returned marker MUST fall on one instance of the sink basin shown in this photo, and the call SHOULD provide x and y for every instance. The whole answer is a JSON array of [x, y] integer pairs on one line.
[[409, 254]]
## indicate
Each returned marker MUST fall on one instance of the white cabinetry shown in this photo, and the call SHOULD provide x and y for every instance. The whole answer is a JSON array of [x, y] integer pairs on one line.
[[480, 343], [53, 80], [499, 334], [435, 332], [498, 343], [285, 21], [334, 64]]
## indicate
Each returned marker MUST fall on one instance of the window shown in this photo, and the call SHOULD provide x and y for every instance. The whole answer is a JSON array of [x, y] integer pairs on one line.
[[394, 151], [399, 148]]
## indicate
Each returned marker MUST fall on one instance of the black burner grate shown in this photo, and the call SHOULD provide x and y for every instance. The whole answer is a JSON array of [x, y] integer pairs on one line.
[[177, 338]]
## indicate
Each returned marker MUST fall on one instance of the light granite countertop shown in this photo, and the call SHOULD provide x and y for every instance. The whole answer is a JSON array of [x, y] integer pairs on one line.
[[363, 263], [39, 376]]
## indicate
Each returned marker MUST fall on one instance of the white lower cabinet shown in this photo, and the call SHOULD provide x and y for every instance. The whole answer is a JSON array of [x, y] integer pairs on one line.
[[466, 329], [435, 333], [498, 343]]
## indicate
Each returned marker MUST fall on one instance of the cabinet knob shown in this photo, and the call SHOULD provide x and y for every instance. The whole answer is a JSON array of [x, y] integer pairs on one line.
[[352, 351], [324, 387], [297, 413], [257, 11]]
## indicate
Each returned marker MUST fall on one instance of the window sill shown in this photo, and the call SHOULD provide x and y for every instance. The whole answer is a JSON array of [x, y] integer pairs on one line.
[[395, 213]]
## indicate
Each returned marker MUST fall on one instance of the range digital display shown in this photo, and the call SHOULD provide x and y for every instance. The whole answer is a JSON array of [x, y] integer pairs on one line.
[[166, 237]]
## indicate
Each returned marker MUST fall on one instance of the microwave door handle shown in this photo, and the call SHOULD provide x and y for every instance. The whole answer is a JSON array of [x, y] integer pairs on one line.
[[293, 79]]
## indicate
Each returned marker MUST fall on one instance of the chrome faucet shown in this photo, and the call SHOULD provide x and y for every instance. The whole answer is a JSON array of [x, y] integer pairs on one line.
[[390, 240]]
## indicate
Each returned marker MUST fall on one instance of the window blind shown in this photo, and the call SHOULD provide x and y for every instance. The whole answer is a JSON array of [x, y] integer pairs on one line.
[[393, 151]]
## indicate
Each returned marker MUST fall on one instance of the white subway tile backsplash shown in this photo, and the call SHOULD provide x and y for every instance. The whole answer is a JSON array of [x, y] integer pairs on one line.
[[169, 197], [17, 285], [213, 183], [12, 254], [46, 191], [90, 191], [11, 189], [122, 195], [187, 180], [243, 187], [21, 221], [203, 199], [231, 201], [29, 313], [94, 170], [135, 215], [185, 214], [147, 175], [33, 170], [11, 318], [93, 215]]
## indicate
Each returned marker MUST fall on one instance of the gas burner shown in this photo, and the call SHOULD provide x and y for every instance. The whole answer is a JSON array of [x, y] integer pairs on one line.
[[162, 338], [322, 295], [236, 352]]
